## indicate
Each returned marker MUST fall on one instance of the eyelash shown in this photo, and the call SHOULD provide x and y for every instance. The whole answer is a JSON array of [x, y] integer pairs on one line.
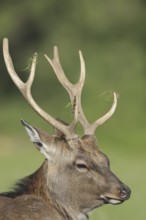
[[81, 166]]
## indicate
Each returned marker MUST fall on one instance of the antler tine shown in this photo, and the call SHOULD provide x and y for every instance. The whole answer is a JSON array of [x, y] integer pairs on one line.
[[79, 86], [90, 129], [55, 63], [25, 89], [9, 65], [74, 90]]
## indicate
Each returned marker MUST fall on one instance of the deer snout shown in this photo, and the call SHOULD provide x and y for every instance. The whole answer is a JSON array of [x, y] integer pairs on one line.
[[116, 195]]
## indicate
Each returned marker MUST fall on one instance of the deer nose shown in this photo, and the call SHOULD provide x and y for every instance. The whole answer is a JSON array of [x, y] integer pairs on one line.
[[125, 193]]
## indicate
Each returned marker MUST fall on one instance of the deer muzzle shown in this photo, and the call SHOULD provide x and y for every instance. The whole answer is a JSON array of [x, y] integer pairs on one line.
[[122, 193]]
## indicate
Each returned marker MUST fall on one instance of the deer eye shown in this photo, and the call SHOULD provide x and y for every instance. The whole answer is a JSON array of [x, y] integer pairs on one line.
[[39, 144], [81, 165]]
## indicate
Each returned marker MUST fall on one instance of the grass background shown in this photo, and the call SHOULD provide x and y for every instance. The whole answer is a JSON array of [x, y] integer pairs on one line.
[[112, 36]]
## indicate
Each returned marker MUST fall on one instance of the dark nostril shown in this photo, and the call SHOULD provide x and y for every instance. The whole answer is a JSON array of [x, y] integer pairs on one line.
[[125, 193]]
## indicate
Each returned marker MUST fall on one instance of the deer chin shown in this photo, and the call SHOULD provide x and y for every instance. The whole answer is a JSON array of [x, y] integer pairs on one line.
[[111, 200]]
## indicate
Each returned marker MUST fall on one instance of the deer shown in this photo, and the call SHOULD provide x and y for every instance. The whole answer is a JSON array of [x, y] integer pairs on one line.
[[75, 177]]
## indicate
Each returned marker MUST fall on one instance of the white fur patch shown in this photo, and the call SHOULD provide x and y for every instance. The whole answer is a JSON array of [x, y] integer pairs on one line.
[[33, 134], [82, 216], [43, 151], [48, 151], [114, 201], [110, 200]]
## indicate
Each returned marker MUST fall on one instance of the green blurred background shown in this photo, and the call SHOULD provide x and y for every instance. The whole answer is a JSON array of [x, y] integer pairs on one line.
[[112, 37]]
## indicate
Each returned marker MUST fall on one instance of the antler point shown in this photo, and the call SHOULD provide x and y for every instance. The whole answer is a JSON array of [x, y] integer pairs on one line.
[[5, 39], [55, 49], [115, 96], [35, 57]]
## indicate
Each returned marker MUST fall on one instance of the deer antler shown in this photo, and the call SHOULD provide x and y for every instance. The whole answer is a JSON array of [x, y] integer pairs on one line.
[[25, 89], [75, 90]]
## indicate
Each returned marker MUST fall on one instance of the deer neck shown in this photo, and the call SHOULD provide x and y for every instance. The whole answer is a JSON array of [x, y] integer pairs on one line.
[[40, 187], [37, 182]]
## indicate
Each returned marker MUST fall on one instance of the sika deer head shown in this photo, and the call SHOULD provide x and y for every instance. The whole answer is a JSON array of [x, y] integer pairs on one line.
[[78, 174]]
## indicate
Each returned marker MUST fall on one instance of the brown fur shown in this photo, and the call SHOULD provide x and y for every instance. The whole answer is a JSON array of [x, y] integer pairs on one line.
[[59, 190]]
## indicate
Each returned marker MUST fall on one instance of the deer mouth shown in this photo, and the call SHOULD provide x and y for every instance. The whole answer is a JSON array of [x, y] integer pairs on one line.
[[110, 200]]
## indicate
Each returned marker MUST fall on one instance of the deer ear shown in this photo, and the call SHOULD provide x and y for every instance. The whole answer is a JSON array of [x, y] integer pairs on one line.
[[35, 138]]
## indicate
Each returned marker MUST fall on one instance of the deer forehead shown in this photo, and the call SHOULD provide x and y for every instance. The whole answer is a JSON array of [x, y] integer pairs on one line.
[[86, 144], [85, 147]]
